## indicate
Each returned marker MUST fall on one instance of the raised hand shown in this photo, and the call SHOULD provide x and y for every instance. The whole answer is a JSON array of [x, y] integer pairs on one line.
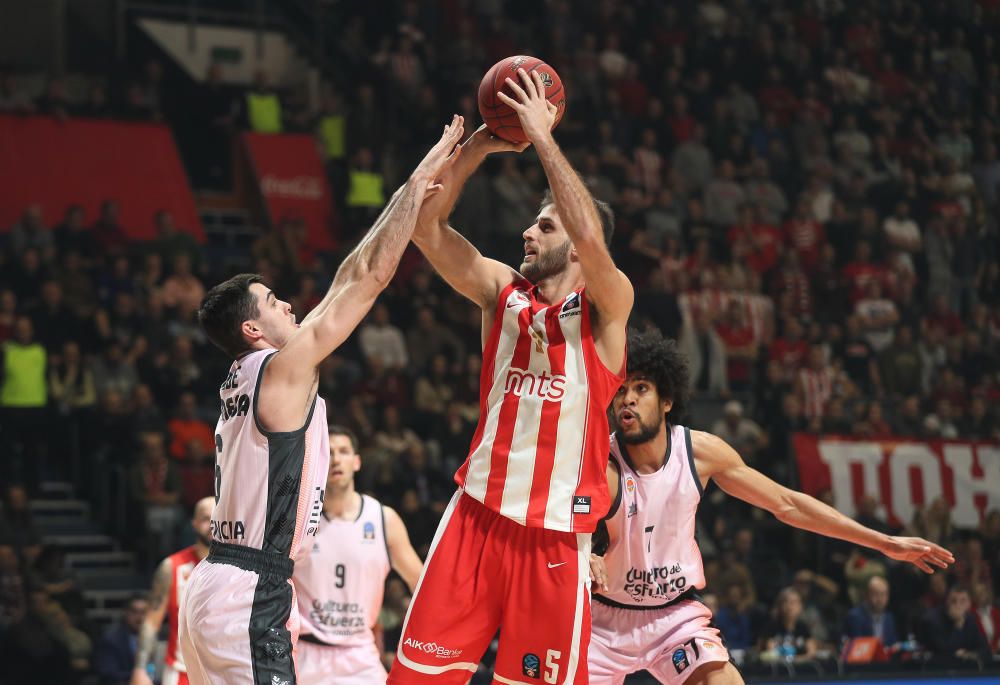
[[919, 552], [537, 114], [489, 143], [442, 155]]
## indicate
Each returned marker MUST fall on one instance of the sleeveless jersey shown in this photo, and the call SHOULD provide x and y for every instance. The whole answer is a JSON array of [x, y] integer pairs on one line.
[[181, 565], [653, 556], [539, 453], [340, 583], [268, 486]]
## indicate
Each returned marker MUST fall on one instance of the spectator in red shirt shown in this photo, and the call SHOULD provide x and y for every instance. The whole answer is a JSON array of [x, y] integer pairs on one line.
[[776, 97], [680, 121], [942, 317], [186, 426], [632, 92], [108, 233], [741, 345], [861, 271], [197, 473], [804, 234], [893, 84], [814, 384], [757, 243], [790, 349], [791, 288], [987, 614]]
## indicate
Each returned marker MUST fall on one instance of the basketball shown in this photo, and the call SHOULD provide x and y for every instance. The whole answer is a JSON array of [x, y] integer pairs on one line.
[[500, 118]]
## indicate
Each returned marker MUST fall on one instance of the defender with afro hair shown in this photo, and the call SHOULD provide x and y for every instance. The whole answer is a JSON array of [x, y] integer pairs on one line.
[[657, 359]]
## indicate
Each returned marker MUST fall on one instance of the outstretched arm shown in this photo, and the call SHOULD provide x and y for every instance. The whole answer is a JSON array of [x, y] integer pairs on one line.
[[402, 556], [716, 459], [452, 256], [607, 287], [151, 623], [367, 270]]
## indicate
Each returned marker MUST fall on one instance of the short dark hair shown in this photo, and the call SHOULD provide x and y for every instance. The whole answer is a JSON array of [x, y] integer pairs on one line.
[[657, 358], [225, 308], [604, 211], [347, 432]]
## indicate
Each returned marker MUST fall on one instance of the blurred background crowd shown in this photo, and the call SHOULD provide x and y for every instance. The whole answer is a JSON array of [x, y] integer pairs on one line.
[[806, 196]]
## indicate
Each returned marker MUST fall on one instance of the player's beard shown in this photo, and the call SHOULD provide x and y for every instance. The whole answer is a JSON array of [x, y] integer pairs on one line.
[[643, 432], [203, 539], [547, 263]]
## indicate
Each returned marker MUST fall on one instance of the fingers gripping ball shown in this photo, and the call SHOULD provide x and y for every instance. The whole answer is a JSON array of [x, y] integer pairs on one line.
[[500, 118]]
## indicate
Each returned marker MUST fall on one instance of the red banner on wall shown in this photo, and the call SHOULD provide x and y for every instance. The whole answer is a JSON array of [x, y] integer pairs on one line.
[[56, 164], [902, 475], [293, 182]]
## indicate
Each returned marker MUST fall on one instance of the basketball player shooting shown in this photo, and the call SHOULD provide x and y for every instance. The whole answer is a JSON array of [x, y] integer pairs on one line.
[[512, 549], [340, 583], [169, 583], [237, 623], [647, 614]]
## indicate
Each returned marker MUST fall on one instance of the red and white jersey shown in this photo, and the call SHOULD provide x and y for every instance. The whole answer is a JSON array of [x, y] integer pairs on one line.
[[268, 486], [539, 453], [340, 583], [181, 565], [653, 556]]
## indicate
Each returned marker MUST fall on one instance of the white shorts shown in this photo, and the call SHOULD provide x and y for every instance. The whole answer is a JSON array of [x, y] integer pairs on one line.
[[340, 665], [237, 627], [171, 676], [671, 643]]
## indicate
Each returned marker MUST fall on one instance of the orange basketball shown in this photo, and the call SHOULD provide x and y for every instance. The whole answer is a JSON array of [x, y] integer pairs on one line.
[[500, 118]]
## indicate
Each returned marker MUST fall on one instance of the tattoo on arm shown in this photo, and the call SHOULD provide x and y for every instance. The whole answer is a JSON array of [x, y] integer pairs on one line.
[[157, 605]]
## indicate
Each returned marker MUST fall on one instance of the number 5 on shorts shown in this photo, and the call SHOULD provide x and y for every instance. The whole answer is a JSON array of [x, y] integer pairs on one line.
[[552, 666]]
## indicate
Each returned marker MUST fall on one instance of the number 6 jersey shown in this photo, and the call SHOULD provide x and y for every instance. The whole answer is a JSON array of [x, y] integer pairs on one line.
[[268, 485], [653, 557]]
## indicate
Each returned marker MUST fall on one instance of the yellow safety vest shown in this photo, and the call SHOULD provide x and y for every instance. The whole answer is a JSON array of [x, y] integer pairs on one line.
[[365, 190], [265, 112], [332, 131], [24, 383]]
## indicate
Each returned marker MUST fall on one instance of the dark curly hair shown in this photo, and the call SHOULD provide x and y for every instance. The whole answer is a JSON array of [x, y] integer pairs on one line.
[[657, 358]]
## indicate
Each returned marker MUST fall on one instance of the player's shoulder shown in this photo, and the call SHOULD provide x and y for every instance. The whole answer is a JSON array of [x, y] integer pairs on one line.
[[711, 452], [706, 444]]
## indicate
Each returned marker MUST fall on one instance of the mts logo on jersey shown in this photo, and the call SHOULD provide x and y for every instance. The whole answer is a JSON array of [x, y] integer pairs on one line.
[[551, 387]]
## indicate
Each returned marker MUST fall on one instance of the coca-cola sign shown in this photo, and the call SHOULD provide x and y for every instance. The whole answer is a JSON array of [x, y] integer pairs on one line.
[[293, 182], [301, 187]]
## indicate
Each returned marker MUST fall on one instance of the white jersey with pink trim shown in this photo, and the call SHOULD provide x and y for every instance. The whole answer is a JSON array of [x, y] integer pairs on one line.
[[268, 485], [653, 556], [340, 583]]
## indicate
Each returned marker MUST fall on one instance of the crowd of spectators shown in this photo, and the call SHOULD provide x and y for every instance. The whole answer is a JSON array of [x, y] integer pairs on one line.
[[807, 199]]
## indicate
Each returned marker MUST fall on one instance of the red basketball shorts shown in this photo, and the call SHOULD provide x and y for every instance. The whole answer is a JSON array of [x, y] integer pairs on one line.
[[484, 572]]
